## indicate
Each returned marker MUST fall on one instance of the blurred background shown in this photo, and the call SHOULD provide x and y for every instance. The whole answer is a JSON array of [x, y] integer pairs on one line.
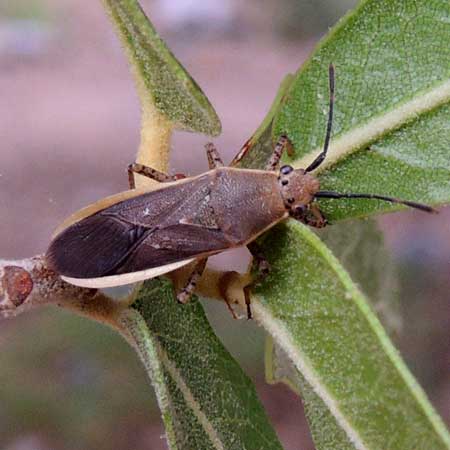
[[69, 125]]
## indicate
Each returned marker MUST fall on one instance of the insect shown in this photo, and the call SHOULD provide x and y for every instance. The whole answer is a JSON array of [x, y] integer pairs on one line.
[[141, 234]]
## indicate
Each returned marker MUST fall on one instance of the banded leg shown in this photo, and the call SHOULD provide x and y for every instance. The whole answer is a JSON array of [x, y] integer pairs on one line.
[[282, 144], [263, 268], [320, 220], [214, 159], [149, 172], [186, 293], [314, 217]]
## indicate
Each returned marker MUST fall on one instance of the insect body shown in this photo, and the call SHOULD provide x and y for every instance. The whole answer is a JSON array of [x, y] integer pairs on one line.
[[152, 232], [186, 219], [190, 218]]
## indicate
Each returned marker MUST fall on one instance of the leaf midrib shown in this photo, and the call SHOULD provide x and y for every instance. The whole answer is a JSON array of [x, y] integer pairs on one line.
[[380, 125], [302, 363], [190, 399], [264, 317]]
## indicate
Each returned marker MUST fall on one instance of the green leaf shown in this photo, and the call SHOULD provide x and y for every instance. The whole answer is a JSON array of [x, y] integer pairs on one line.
[[136, 332], [172, 90], [359, 247], [391, 124], [206, 400], [411, 163], [353, 382], [326, 342], [327, 433]]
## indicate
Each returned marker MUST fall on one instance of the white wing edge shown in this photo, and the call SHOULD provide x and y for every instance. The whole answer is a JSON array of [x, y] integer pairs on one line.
[[126, 278]]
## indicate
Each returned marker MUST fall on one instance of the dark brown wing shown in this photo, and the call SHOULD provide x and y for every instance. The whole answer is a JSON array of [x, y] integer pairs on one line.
[[172, 244], [156, 228]]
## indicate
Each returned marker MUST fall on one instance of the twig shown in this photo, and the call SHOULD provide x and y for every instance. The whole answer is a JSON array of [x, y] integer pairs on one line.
[[29, 283]]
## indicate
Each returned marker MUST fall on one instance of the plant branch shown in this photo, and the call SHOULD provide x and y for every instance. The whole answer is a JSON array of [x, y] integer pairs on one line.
[[28, 283]]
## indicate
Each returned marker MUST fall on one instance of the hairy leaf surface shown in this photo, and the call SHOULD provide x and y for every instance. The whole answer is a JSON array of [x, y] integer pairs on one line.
[[391, 123], [206, 399], [351, 378], [161, 79]]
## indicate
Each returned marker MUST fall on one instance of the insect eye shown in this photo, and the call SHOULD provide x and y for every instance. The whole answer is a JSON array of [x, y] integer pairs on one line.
[[286, 170]]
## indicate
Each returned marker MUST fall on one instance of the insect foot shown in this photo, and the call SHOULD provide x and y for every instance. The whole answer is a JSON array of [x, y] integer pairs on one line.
[[184, 296]]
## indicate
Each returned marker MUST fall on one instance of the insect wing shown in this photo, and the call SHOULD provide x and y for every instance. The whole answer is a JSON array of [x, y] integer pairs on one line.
[[169, 225], [92, 247], [120, 280]]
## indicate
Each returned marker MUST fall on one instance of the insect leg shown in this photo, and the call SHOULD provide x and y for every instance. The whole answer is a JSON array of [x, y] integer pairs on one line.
[[224, 282], [280, 146], [186, 293], [263, 268], [150, 173], [312, 216], [214, 159], [263, 265], [248, 301], [318, 220]]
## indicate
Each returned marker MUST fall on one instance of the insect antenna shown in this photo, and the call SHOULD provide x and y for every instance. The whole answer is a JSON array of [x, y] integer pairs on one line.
[[318, 161], [421, 206]]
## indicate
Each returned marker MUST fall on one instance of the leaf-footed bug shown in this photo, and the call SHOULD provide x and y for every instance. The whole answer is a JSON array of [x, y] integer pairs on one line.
[[143, 233]]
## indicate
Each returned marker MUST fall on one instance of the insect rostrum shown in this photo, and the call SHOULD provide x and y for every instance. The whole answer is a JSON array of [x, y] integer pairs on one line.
[[156, 231]]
